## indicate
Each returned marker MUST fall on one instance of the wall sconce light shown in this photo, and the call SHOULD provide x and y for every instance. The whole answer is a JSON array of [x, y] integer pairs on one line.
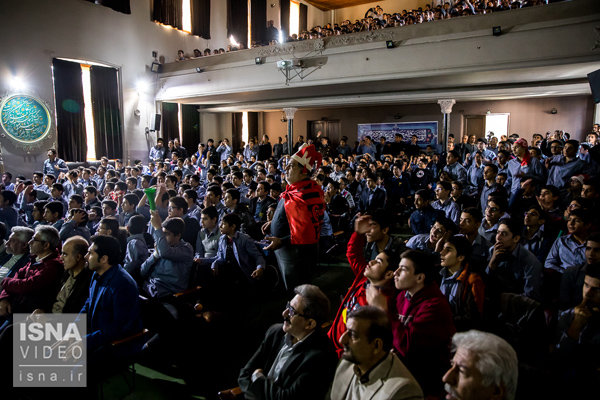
[[497, 30], [258, 60], [199, 70], [155, 67], [389, 44], [554, 111]]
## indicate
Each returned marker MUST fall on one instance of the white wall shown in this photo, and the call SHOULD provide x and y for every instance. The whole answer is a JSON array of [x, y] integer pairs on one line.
[[35, 31]]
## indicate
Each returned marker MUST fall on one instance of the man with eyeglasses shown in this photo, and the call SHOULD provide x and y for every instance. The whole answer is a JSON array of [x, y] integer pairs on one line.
[[296, 360], [35, 285]]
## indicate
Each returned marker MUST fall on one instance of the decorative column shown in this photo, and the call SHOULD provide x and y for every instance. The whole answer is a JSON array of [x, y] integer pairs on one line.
[[597, 113], [289, 115], [446, 106]]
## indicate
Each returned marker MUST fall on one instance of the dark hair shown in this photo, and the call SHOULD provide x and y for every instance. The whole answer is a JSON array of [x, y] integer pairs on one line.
[[192, 194], [593, 270], [110, 203], [211, 212], [381, 217], [179, 202], [58, 186], [234, 193], [462, 245], [422, 262], [553, 189], [56, 207], [445, 185], [232, 219], [78, 198], [9, 196], [91, 189], [174, 225], [3, 230], [112, 224], [494, 167], [474, 212], [447, 223], [215, 190], [583, 214], [131, 198], [500, 201], [85, 219], [107, 246], [137, 224], [379, 324], [514, 225], [425, 194]]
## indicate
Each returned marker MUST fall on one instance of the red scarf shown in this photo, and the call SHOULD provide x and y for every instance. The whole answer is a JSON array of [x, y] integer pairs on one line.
[[304, 206], [526, 159]]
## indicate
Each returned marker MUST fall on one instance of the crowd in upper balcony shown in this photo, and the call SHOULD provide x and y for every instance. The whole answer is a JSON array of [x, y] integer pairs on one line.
[[375, 18]]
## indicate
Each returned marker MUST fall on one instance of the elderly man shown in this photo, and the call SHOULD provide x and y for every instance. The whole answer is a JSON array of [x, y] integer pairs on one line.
[[35, 285], [369, 370], [296, 360], [17, 251], [484, 367], [296, 224]]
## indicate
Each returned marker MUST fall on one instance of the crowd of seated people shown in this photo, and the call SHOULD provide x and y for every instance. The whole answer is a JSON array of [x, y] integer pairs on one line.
[[497, 235], [375, 18]]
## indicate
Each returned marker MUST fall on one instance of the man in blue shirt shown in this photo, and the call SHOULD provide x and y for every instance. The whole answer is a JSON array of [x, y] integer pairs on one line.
[[224, 149], [112, 309], [445, 203], [54, 165], [569, 251], [167, 271], [567, 166], [157, 153], [454, 168], [423, 218], [512, 268]]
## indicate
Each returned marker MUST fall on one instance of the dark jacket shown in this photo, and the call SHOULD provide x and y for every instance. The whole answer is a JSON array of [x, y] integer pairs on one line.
[[79, 293], [307, 374]]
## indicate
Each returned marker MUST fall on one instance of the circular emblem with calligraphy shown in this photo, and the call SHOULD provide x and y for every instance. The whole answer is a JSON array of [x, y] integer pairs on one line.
[[24, 118]]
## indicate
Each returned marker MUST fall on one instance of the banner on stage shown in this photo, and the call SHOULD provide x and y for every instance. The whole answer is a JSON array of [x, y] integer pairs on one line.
[[426, 132]]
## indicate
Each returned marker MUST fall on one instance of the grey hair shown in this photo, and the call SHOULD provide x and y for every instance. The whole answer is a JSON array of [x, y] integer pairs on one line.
[[48, 234], [22, 233], [496, 360], [316, 304]]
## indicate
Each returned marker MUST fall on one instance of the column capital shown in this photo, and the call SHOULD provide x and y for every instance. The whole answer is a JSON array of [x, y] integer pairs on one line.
[[446, 105], [289, 112]]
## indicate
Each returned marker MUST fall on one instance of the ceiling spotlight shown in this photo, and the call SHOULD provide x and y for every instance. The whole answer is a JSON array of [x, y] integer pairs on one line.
[[17, 83]]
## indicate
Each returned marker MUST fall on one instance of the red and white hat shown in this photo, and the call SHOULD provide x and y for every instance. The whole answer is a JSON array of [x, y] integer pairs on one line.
[[308, 156]]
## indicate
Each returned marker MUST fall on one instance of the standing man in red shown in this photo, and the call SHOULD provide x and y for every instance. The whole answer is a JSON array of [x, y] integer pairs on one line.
[[377, 273], [296, 224]]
